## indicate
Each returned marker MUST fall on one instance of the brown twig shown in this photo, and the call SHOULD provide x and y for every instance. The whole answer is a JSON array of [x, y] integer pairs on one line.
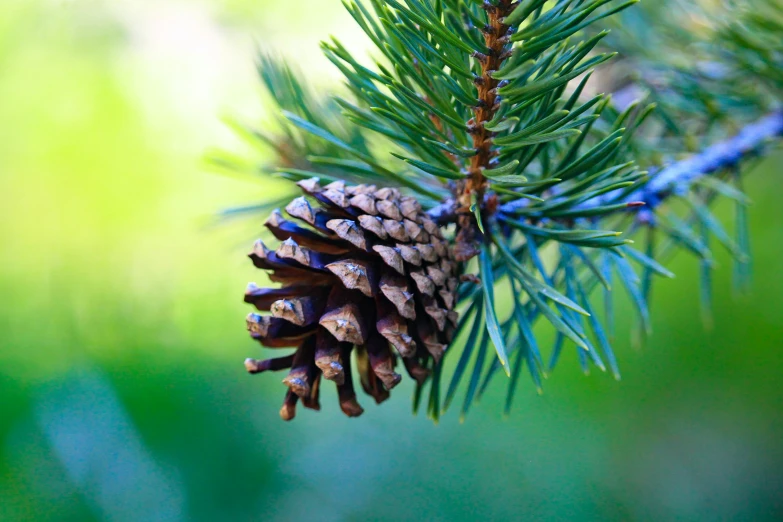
[[496, 40]]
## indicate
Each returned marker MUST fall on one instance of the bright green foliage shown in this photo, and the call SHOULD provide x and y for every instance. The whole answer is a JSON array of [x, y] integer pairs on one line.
[[565, 164]]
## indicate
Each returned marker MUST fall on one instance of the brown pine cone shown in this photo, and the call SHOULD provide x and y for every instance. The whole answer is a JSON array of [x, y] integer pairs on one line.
[[369, 271]]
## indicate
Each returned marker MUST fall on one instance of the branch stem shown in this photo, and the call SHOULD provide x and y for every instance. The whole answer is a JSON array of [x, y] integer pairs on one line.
[[714, 158], [668, 180], [496, 42], [475, 185]]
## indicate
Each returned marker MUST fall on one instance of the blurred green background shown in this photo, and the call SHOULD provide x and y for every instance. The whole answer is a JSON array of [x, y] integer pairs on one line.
[[122, 390]]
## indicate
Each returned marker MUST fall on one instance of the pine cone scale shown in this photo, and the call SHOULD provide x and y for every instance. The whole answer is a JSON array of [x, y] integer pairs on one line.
[[328, 356]]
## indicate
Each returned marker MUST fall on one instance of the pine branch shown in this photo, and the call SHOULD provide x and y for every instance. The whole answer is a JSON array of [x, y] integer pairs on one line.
[[497, 49], [496, 41], [717, 157], [668, 180], [476, 111], [444, 213]]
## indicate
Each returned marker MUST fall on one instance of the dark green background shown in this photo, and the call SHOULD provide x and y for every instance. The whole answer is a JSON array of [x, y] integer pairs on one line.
[[122, 391]]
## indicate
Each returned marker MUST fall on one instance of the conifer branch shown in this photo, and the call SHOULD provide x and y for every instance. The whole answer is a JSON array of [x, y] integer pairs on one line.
[[476, 114], [496, 40], [681, 174], [715, 158]]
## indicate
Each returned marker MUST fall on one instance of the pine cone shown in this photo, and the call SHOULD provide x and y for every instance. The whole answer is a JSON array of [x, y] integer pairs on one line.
[[370, 271]]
